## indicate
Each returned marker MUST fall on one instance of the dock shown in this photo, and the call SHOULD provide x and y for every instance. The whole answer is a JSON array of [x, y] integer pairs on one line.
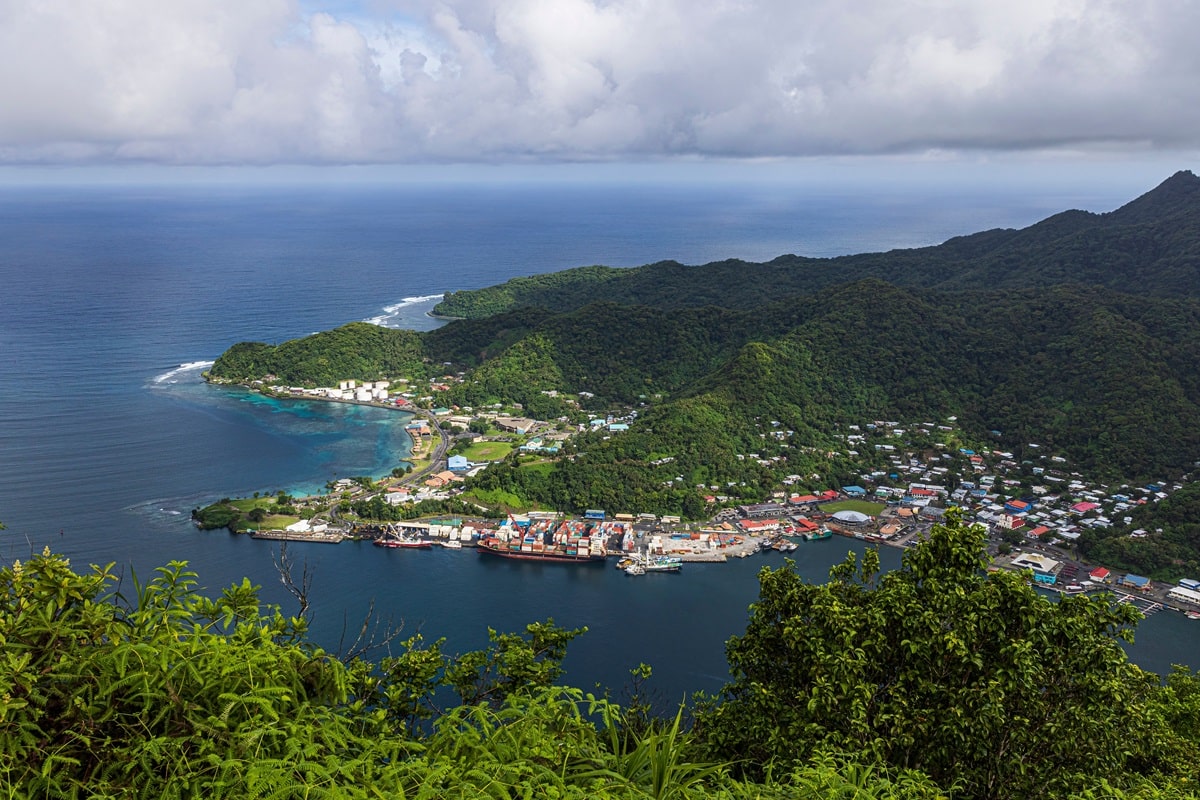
[[322, 537]]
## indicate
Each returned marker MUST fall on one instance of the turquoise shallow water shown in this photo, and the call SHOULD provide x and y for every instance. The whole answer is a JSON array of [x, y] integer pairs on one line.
[[106, 444]]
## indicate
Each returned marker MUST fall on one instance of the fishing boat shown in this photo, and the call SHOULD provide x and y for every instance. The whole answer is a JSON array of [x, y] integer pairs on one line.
[[407, 543], [643, 564], [554, 554], [662, 564], [1192, 614], [813, 536]]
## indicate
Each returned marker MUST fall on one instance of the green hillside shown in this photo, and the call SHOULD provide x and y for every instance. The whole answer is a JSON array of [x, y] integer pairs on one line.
[[356, 350], [1149, 246], [1103, 371]]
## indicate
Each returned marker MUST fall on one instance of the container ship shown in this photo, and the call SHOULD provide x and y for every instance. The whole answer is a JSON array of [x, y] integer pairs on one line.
[[570, 542]]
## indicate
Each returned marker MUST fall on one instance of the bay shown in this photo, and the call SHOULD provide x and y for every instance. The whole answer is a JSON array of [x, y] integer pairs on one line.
[[106, 443]]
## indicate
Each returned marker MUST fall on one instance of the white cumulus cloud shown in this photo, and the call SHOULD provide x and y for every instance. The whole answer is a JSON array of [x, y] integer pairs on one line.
[[379, 81]]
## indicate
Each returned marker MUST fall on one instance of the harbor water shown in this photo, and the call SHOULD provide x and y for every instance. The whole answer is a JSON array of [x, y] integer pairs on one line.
[[115, 299]]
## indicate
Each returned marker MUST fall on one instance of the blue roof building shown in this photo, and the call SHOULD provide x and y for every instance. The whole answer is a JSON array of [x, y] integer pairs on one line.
[[458, 464], [1136, 582]]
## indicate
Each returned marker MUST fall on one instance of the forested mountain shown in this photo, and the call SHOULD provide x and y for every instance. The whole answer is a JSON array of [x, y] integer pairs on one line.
[[1149, 246], [1080, 334], [1103, 371]]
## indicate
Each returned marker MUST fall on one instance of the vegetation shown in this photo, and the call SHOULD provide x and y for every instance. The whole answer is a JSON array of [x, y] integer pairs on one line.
[[1079, 334], [861, 506], [257, 513], [1146, 247], [358, 350], [973, 678], [1167, 549], [932, 681], [487, 451]]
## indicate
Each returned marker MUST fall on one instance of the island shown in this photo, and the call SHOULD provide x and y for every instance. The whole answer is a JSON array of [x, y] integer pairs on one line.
[[1041, 379]]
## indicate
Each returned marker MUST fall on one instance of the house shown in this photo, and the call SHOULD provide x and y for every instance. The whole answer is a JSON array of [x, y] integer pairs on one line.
[[1045, 570], [441, 479], [519, 425], [1136, 582], [1017, 506], [1084, 507], [1185, 595], [758, 525], [1099, 574]]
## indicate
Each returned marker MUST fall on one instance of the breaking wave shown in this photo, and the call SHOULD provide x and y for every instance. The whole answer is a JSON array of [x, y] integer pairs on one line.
[[191, 366], [397, 310]]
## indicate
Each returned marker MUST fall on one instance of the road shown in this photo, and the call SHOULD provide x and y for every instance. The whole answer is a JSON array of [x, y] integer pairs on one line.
[[438, 459]]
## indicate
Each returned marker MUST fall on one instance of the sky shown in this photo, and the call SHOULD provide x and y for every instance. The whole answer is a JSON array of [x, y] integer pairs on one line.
[[264, 83]]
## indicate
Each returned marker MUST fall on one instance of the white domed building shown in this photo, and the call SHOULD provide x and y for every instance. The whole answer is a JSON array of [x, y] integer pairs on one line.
[[852, 519]]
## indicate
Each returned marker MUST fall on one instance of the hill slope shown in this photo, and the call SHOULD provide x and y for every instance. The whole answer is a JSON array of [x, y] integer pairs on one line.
[[985, 327], [1149, 246]]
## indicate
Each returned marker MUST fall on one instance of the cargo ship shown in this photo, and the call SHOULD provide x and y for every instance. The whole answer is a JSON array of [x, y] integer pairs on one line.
[[556, 553], [549, 538]]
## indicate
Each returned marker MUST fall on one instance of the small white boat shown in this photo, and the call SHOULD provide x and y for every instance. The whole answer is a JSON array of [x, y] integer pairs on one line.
[[453, 544], [635, 569]]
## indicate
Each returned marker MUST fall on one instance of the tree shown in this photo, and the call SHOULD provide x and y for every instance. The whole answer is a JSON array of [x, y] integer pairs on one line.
[[971, 677]]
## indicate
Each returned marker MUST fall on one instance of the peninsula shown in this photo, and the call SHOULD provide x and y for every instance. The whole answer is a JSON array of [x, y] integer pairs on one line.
[[1063, 353]]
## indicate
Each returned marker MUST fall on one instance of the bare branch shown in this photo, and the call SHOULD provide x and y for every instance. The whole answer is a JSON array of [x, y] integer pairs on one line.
[[373, 634], [285, 566]]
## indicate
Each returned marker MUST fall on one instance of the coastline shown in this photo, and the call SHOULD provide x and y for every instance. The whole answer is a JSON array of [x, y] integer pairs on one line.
[[1149, 604]]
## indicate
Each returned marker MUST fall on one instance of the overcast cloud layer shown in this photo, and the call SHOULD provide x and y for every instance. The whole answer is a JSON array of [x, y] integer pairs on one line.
[[272, 81]]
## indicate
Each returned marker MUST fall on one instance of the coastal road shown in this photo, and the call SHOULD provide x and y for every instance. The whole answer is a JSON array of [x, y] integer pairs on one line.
[[437, 460]]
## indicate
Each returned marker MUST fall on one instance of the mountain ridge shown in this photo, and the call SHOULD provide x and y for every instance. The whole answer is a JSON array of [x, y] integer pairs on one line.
[[1149, 245], [1102, 370]]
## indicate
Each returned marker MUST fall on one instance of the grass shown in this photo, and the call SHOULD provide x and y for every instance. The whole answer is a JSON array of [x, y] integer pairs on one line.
[[419, 457], [487, 451], [271, 522], [244, 504], [861, 506], [497, 498]]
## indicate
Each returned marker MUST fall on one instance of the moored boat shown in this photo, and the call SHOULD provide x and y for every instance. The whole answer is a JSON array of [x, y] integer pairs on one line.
[[559, 555], [663, 564], [408, 543]]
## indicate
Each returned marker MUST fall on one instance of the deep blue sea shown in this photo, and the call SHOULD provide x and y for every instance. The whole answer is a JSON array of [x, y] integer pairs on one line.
[[111, 299]]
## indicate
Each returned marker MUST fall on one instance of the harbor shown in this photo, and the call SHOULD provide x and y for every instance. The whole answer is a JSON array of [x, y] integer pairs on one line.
[[647, 545]]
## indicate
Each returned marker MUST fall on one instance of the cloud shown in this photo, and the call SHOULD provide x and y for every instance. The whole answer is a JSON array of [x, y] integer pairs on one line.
[[381, 81]]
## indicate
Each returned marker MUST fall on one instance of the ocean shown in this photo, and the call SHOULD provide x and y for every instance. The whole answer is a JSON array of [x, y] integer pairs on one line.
[[115, 298]]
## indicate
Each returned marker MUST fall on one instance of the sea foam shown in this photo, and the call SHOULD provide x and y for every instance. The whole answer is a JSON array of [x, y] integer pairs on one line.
[[392, 312], [190, 366]]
